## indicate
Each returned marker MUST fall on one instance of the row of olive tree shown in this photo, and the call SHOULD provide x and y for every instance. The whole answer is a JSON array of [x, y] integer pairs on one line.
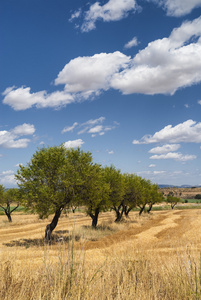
[[56, 177]]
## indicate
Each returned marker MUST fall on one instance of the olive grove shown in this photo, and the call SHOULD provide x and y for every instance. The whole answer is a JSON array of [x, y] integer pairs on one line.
[[57, 177]]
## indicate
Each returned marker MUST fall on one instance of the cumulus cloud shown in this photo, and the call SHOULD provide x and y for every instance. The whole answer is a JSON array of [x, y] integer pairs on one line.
[[7, 178], [178, 8], [91, 73], [113, 10], [165, 149], [152, 166], [175, 156], [186, 132], [11, 139], [131, 43], [165, 65], [73, 144], [22, 98]]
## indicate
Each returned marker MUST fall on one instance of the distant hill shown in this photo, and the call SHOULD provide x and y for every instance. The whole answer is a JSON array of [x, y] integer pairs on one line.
[[162, 186]]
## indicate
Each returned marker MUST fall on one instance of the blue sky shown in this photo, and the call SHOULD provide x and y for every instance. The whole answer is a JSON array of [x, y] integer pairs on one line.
[[118, 78]]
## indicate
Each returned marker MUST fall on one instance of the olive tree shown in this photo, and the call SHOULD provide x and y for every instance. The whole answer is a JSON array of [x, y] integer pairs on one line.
[[172, 200], [54, 177], [96, 193], [133, 192], [116, 184], [7, 197], [154, 197], [146, 195]]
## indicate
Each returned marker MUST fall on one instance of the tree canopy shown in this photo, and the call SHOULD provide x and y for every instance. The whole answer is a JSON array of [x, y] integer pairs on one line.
[[54, 177]]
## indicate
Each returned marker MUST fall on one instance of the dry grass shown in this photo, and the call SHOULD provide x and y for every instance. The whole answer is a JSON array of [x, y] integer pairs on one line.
[[156, 256]]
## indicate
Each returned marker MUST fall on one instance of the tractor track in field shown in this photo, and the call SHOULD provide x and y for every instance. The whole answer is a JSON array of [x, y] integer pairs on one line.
[[159, 230]]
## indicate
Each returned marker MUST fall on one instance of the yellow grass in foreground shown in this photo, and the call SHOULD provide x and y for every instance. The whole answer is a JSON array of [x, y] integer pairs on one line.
[[155, 256]]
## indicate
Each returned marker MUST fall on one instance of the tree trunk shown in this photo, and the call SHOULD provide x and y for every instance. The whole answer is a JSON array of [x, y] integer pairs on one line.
[[50, 227], [73, 209], [8, 211], [141, 210], [119, 214], [126, 211], [150, 208], [95, 218], [173, 205], [8, 216]]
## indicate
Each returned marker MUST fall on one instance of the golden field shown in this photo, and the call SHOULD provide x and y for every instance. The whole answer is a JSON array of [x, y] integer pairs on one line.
[[154, 256]]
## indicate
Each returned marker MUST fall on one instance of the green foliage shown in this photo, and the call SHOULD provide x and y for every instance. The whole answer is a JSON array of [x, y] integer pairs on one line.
[[198, 196], [12, 195], [116, 184], [6, 198], [172, 200], [133, 190], [57, 177], [2, 191], [53, 178], [95, 195]]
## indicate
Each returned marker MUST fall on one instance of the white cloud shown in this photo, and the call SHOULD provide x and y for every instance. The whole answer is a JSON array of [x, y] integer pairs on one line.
[[91, 73], [86, 126], [96, 129], [24, 129], [165, 65], [92, 122], [178, 8], [111, 152], [74, 144], [152, 166], [75, 15], [186, 105], [174, 155], [69, 128], [188, 132], [131, 43], [113, 10], [22, 99], [7, 178], [152, 172], [199, 102], [11, 139], [17, 165], [165, 149]]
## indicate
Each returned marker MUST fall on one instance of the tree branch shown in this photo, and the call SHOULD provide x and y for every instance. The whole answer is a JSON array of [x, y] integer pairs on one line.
[[3, 208], [14, 208]]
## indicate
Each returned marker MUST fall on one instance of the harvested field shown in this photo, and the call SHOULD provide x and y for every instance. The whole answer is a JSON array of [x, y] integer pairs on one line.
[[164, 242]]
